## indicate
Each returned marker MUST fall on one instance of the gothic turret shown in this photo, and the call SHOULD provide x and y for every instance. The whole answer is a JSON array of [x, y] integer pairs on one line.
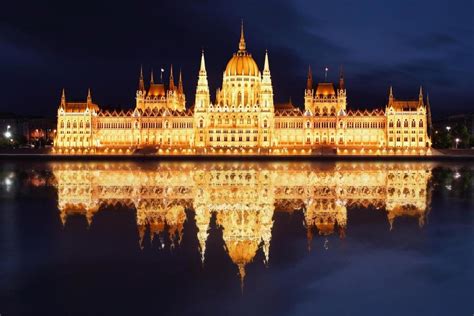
[[266, 95], [202, 90]]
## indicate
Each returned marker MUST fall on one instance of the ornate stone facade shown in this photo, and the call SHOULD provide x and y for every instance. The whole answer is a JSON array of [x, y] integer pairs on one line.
[[243, 119]]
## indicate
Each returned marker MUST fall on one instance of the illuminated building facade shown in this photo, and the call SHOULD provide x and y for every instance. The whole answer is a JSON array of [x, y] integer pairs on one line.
[[243, 119], [243, 197]]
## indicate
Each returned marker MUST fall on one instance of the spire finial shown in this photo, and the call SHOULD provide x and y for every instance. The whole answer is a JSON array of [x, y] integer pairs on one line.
[[420, 95], [152, 81], [242, 37], [89, 95], [309, 80], [326, 74], [391, 92]]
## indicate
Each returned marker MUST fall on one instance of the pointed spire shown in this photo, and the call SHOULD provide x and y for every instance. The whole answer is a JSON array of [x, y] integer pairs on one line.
[[242, 45], [171, 87], [266, 66], [391, 92], [152, 81], [202, 69], [309, 79], [63, 98], [141, 82], [341, 79], [180, 83], [420, 95], [89, 96]]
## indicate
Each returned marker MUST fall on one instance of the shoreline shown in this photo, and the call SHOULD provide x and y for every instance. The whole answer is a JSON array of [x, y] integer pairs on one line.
[[143, 157]]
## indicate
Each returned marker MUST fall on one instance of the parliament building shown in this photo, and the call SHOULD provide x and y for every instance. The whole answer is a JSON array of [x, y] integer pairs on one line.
[[243, 119]]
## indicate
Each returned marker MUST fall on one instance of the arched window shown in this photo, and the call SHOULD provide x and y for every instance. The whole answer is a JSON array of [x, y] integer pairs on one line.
[[74, 125], [390, 124], [265, 123], [201, 123], [88, 124], [62, 124], [308, 124], [421, 123], [81, 124], [399, 124], [413, 123], [405, 124]]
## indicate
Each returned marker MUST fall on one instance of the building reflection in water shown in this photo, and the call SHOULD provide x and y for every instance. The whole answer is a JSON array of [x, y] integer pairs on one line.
[[243, 196]]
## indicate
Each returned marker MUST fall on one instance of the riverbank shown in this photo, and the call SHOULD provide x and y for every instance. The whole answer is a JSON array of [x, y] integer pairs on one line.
[[44, 154]]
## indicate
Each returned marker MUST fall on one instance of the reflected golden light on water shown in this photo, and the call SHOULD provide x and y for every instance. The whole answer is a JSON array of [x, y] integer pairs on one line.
[[243, 196]]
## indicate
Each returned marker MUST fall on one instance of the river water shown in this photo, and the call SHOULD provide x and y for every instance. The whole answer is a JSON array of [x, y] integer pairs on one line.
[[236, 238]]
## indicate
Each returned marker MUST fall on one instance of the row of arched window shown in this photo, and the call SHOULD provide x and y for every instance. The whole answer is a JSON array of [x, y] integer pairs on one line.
[[406, 123], [365, 124], [74, 124], [115, 125]]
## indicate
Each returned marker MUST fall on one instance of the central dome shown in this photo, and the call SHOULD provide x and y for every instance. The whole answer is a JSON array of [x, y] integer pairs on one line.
[[242, 63]]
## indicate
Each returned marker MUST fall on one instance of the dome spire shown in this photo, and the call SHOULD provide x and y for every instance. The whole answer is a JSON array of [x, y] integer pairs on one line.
[[242, 45]]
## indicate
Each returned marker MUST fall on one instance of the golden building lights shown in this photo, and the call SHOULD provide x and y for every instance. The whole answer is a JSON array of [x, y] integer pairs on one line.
[[243, 120]]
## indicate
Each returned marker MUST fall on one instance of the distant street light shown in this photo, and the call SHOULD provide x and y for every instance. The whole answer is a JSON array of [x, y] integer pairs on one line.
[[448, 128], [7, 133], [457, 140]]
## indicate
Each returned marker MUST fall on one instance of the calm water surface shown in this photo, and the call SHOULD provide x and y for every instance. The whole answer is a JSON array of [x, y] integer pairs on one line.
[[229, 238]]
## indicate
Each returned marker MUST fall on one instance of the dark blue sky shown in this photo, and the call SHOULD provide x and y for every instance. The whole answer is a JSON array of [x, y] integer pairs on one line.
[[47, 45]]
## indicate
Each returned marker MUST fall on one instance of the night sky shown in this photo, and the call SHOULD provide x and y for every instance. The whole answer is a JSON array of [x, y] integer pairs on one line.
[[45, 46]]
